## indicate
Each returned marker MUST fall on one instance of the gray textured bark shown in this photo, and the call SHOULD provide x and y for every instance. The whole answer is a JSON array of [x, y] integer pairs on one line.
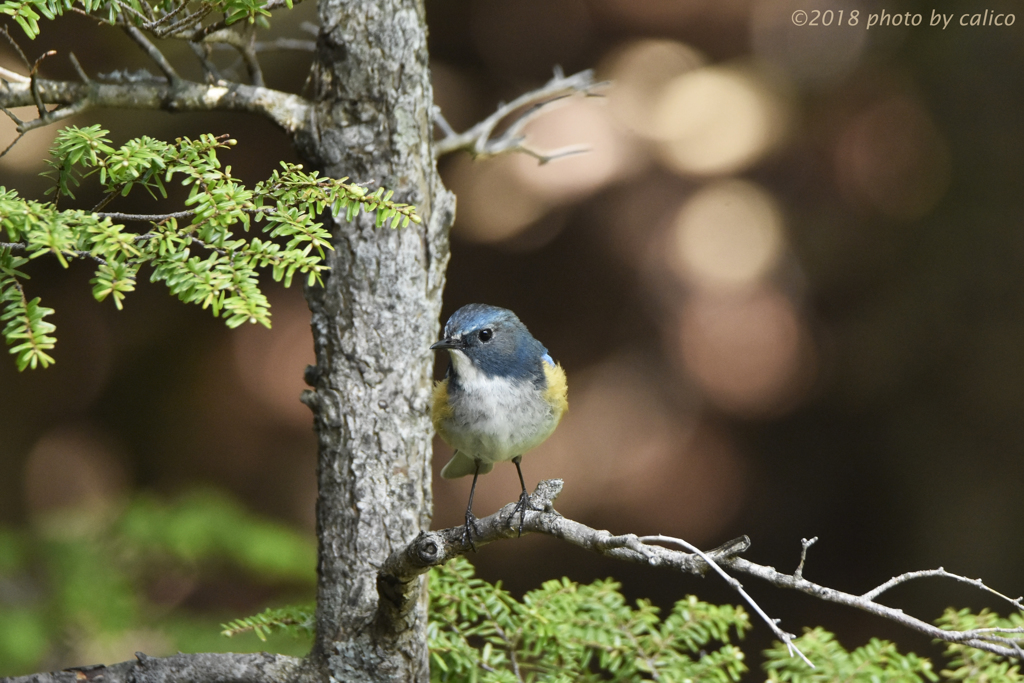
[[373, 322], [210, 668]]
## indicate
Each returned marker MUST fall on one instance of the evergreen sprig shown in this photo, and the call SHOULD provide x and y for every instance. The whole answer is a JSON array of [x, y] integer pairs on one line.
[[26, 331], [164, 18], [295, 620], [566, 631], [878, 660], [202, 254], [971, 664]]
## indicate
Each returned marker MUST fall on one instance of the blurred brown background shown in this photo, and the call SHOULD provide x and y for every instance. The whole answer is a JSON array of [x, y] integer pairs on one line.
[[785, 283]]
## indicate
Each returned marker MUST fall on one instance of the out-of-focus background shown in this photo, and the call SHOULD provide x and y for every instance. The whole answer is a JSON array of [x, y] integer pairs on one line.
[[786, 284]]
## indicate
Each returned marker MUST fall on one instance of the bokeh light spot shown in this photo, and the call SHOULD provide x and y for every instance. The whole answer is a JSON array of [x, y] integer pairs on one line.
[[716, 120], [639, 72], [270, 363], [492, 205], [893, 158], [73, 468], [728, 234], [749, 353]]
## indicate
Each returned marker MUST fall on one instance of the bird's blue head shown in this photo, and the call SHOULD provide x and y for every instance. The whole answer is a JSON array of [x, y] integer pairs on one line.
[[492, 340]]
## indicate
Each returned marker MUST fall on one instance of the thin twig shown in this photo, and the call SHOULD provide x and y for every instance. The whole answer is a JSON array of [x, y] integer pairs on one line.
[[109, 197], [17, 48], [58, 114], [187, 21], [202, 32], [144, 217], [243, 44], [210, 70], [787, 638], [480, 140], [804, 545], [909, 576], [285, 44], [13, 117], [151, 50], [40, 107], [8, 75], [165, 17], [122, 7], [78, 67]]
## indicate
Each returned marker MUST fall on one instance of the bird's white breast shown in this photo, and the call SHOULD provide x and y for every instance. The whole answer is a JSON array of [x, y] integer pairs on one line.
[[496, 418]]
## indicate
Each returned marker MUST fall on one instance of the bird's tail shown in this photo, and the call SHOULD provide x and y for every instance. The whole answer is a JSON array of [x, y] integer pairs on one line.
[[461, 465]]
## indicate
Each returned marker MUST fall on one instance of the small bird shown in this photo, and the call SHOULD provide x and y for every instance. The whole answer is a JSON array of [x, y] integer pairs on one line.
[[502, 396]]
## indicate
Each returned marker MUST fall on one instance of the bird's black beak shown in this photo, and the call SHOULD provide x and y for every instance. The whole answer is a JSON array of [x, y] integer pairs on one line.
[[450, 343]]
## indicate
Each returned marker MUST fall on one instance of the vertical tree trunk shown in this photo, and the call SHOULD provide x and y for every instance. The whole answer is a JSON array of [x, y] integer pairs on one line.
[[373, 321]]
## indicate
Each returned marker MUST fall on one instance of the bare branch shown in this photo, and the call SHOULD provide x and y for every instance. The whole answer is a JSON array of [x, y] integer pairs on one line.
[[198, 668], [804, 545], [15, 141], [17, 48], [8, 75], [33, 83], [1018, 603], [480, 140], [285, 44], [151, 50], [786, 638], [144, 217], [210, 70], [395, 581], [288, 111], [245, 45], [78, 68], [187, 21]]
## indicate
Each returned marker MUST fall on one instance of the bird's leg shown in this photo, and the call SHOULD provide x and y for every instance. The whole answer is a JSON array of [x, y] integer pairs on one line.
[[467, 533], [524, 498]]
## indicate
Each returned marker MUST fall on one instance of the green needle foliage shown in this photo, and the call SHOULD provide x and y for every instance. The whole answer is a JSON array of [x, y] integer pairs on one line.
[[164, 18], [566, 631], [563, 631], [202, 254], [970, 664], [295, 620], [878, 660]]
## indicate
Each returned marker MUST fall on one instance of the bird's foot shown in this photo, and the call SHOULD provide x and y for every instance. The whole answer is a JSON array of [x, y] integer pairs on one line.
[[469, 529], [521, 507]]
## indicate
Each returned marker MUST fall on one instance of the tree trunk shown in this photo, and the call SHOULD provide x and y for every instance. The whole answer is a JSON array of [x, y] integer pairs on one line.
[[373, 321]]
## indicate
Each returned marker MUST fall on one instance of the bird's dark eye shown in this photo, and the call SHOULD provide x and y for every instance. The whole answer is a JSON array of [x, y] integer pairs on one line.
[[485, 335]]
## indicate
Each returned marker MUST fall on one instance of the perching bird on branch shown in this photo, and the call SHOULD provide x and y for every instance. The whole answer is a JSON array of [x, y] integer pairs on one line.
[[502, 396]]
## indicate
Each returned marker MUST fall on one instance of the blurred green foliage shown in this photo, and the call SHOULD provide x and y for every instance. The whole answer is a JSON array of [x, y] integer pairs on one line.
[[82, 587], [970, 664], [878, 660]]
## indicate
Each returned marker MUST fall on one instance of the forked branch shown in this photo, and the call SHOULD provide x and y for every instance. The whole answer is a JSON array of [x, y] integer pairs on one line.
[[482, 141]]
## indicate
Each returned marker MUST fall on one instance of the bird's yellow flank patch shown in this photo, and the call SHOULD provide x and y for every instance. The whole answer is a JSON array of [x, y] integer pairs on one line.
[[440, 410], [557, 393]]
